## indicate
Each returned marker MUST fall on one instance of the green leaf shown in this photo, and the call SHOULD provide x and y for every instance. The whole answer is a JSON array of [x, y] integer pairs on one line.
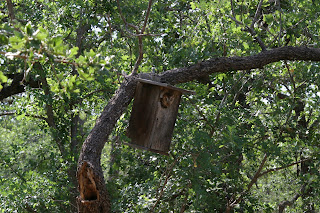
[[41, 34], [245, 45], [28, 29], [193, 5], [82, 115], [3, 78], [3, 40], [73, 51], [221, 76], [125, 57]]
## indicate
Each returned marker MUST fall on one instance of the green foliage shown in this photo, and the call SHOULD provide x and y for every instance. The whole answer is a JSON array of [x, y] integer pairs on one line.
[[77, 51]]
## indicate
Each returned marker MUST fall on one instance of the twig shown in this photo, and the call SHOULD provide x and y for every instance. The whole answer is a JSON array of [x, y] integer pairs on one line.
[[183, 207], [253, 181], [232, 9], [165, 183], [283, 167], [235, 20], [282, 206], [124, 20], [140, 57], [110, 29], [147, 16], [256, 38], [205, 119], [139, 33], [280, 32], [251, 28], [291, 77], [223, 101], [258, 11], [89, 94], [14, 171], [144, 34]]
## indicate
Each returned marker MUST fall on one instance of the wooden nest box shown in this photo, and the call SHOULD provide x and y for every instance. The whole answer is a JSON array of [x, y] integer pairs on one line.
[[153, 115]]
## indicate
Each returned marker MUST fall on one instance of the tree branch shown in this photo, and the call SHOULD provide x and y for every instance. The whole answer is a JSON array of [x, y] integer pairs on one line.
[[89, 169], [165, 183], [256, 38], [227, 64], [283, 167], [140, 34], [253, 181], [251, 28], [14, 170], [90, 175], [282, 206], [257, 14], [49, 109], [10, 9], [16, 85], [110, 29], [147, 16], [124, 20]]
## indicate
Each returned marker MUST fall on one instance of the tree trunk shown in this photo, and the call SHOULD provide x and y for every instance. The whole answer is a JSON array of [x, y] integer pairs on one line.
[[93, 194]]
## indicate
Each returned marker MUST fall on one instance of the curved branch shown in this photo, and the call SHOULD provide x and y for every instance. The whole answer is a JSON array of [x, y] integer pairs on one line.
[[227, 64], [90, 174]]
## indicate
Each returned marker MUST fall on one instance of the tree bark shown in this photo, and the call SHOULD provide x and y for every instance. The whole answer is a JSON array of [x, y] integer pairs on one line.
[[17, 86], [225, 64], [10, 9], [93, 194]]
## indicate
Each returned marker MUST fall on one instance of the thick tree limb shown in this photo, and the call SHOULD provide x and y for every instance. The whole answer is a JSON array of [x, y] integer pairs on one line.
[[16, 85], [93, 195], [224, 64]]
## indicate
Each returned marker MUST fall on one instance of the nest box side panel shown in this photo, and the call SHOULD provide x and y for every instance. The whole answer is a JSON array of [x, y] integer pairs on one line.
[[167, 110], [143, 114]]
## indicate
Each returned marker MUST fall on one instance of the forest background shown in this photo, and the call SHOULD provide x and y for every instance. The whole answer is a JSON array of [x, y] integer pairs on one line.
[[247, 141]]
